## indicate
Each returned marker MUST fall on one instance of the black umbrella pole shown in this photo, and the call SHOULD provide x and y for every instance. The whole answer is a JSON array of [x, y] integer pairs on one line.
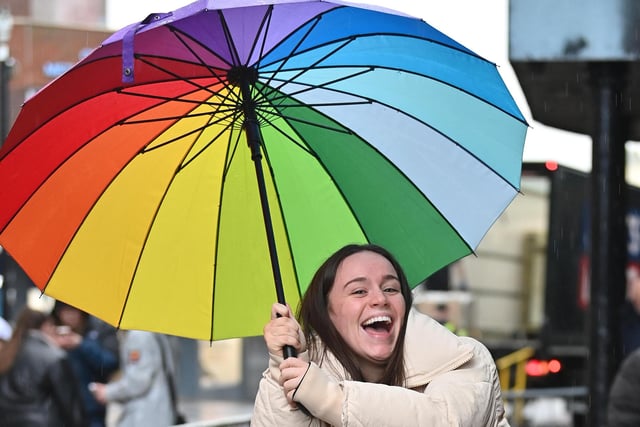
[[266, 213], [254, 140]]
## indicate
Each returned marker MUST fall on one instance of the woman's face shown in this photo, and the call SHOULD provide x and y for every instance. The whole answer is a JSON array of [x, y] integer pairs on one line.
[[367, 307]]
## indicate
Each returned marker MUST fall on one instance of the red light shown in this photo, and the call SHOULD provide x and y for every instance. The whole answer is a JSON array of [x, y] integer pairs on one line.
[[536, 368], [540, 368], [551, 165], [554, 366]]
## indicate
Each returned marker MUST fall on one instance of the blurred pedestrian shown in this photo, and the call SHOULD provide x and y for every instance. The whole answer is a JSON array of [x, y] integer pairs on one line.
[[5, 332], [92, 346], [37, 384], [144, 388]]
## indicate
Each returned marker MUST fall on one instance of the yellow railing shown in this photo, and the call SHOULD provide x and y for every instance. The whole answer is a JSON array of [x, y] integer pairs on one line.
[[515, 361]]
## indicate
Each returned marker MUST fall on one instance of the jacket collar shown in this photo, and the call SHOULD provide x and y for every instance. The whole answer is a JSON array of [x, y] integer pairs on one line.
[[431, 349]]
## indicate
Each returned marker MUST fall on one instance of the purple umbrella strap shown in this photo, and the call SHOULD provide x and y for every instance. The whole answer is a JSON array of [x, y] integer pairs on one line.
[[127, 44]]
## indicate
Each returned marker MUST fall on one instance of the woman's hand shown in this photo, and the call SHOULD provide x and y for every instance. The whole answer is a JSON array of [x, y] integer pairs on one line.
[[283, 330], [292, 370]]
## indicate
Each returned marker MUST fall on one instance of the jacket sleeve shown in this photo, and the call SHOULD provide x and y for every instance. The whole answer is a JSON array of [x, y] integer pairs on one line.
[[468, 396], [143, 362], [271, 407]]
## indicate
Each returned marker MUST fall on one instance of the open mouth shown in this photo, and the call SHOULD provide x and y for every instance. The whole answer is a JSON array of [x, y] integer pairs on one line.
[[378, 324]]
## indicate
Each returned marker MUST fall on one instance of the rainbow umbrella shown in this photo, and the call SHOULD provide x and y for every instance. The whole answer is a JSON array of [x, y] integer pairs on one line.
[[202, 163]]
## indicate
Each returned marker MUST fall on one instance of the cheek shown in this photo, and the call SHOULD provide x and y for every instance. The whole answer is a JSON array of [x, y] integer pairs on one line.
[[340, 317], [400, 305]]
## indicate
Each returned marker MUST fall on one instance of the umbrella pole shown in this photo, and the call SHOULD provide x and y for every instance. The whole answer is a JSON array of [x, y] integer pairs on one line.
[[254, 140]]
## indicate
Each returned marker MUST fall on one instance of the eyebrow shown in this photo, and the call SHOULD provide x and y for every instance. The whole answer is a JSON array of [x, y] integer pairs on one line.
[[363, 279]]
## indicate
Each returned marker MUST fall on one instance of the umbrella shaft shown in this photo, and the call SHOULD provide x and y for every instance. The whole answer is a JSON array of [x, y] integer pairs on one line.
[[254, 140]]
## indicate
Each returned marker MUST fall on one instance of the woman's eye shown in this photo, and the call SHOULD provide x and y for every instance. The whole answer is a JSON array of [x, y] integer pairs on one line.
[[392, 290], [358, 292]]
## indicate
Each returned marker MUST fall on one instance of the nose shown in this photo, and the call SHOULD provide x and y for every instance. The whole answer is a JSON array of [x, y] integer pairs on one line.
[[378, 297]]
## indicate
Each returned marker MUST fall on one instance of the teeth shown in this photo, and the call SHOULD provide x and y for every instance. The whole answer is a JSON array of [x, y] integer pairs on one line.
[[373, 320]]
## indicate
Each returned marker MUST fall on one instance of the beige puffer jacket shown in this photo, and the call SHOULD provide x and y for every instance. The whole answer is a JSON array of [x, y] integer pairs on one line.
[[451, 381]]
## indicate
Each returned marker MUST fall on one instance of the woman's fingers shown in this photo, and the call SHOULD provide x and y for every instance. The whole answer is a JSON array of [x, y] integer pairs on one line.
[[283, 330], [279, 337], [280, 310], [292, 371]]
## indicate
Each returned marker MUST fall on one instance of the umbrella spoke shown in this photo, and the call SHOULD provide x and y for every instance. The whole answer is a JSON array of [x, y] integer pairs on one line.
[[191, 132], [208, 144], [178, 117], [264, 25], [292, 53], [338, 129], [324, 85], [302, 71], [182, 37], [274, 125], [220, 113], [188, 80], [229, 39]]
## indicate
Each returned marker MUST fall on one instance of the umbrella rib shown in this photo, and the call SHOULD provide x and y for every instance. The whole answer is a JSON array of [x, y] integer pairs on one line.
[[164, 98], [146, 238], [348, 40], [379, 34], [322, 104], [228, 160], [204, 64], [307, 122], [322, 165], [309, 87], [313, 65], [165, 118], [191, 132], [235, 146], [182, 36], [350, 131], [264, 24], [227, 114], [182, 100], [229, 94], [208, 144], [371, 68], [415, 118], [292, 53], [229, 39], [275, 126], [184, 79]]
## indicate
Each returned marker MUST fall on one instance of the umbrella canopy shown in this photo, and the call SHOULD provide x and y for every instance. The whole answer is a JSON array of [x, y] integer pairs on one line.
[[128, 188]]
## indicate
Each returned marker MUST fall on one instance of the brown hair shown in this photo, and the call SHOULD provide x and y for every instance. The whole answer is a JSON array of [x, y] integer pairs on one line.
[[314, 318], [27, 320]]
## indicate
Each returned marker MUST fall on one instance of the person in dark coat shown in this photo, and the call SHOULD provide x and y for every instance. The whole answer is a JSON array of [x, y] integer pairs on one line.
[[624, 410], [92, 346], [37, 384]]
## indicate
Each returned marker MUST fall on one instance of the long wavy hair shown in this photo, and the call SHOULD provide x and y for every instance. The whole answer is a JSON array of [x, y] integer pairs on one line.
[[313, 315], [27, 320]]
